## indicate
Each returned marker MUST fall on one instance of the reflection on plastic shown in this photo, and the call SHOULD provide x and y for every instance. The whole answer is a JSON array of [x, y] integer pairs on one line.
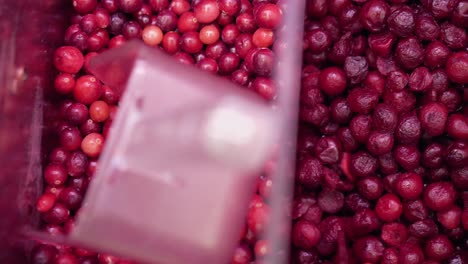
[[177, 170]]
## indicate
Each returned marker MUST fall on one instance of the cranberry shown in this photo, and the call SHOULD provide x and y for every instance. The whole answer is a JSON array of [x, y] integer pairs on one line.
[[397, 80], [68, 59], [206, 11], [77, 113], [152, 35], [268, 16], [433, 117], [328, 150], [374, 15], [450, 218], [90, 126], [460, 177], [305, 235], [368, 249], [55, 174], [379, 143], [407, 156], [394, 234], [387, 164], [70, 138], [340, 111], [230, 7], [423, 229], [409, 185], [454, 37], [388, 207], [242, 255], [43, 254], [166, 20], [381, 43], [71, 198], [263, 62], [58, 214], [451, 99], [45, 202], [415, 210], [348, 141], [408, 129], [420, 79], [439, 195], [257, 218], [263, 38], [246, 23], [401, 21], [87, 89], [409, 53], [341, 49], [356, 68], [355, 202], [76, 164], [58, 155], [432, 155], [457, 65], [228, 62], [317, 115], [410, 253], [92, 145], [363, 164], [365, 221], [330, 201], [64, 83], [390, 256], [426, 27], [170, 42], [402, 101], [318, 40], [99, 111], [349, 19], [84, 6], [439, 248], [459, 15], [436, 54], [359, 45], [309, 172], [456, 154], [362, 100]]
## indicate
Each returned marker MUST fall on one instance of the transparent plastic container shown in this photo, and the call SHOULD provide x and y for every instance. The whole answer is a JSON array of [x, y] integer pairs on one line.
[[29, 33]]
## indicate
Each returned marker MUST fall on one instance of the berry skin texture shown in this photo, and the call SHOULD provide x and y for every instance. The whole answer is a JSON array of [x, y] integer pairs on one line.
[[433, 117], [439, 195], [332, 81], [457, 67]]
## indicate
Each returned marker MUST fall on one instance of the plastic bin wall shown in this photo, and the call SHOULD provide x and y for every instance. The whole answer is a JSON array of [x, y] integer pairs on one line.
[[29, 32]]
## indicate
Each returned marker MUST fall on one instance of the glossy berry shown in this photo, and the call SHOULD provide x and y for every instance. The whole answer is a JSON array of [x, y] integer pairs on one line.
[[409, 185], [87, 89], [332, 81], [206, 11], [439, 196], [92, 145], [55, 174], [45, 202], [68, 59], [388, 208], [268, 16]]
